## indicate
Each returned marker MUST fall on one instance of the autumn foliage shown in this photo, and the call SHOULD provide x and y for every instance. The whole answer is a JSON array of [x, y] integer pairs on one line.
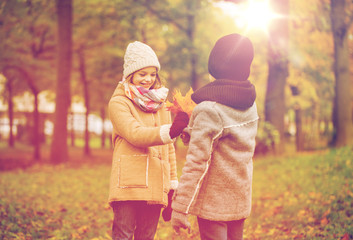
[[181, 103]]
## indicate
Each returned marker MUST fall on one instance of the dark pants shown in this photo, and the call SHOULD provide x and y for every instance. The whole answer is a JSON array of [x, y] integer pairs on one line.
[[219, 230], [135, 218]]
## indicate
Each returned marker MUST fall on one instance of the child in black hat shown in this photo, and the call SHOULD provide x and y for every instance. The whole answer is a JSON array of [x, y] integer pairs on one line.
[[217, 177]]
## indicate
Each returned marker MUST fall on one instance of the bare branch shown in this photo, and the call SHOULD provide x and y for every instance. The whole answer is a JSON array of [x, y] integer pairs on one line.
[[24, 74], [159, 14]]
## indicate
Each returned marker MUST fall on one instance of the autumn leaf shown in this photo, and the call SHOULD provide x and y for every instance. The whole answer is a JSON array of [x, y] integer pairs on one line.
[[83, 229], [324, 221], [181, 103], [345, 236], [327, 212]]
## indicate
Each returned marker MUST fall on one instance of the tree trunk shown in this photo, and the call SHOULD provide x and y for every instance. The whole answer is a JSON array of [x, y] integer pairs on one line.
[[278, 70], [59, 148], [299, 137], [103, 129], [190, 32], [72, 129], [36, 134], [82, 69], [316, 141], [342, 113], [110, 141], [11, 141]]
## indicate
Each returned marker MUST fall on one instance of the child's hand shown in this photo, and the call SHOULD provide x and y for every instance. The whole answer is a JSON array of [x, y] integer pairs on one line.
[[167, 212], [180, 220], [185, 137], [180, 122]]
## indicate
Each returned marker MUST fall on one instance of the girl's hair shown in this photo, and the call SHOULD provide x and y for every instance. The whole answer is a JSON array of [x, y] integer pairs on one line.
[[156, 84]]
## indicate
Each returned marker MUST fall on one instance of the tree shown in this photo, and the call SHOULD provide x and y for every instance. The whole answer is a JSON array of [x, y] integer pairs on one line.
[[181, 15], [9, 89], [95, 35], [278, 68], [104, 77], [83, 77], [341, 21], [26, 76], [26, 46], [59, 148], [311, 71]]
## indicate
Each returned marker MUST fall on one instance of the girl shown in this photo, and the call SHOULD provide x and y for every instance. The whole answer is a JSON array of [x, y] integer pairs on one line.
[[143, 166]]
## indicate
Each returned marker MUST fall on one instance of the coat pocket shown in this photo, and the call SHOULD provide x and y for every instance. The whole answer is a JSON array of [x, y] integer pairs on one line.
[[133, 171]]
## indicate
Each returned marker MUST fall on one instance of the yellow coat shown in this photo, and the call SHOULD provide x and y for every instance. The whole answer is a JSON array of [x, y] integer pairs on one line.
[[144, 161]]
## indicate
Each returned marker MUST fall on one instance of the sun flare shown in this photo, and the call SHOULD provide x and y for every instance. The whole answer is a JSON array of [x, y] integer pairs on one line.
[[252, 15], [258, 15]]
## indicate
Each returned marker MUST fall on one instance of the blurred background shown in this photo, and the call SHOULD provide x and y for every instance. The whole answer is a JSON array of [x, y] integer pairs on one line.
[[60, 62]]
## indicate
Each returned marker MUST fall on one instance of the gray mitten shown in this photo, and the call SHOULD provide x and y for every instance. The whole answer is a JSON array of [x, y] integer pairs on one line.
[[180, 220]]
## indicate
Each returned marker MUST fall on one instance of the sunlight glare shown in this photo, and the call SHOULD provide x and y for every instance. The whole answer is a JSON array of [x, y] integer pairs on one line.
[[254, 14], [258, 14]]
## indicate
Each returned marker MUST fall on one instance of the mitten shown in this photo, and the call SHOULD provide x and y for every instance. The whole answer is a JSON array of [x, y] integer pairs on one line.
[[185, 137], [167, 212], [180, 122], [180, 220]]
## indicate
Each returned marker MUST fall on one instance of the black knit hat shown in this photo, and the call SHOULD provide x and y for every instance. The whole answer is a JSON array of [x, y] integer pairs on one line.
[[231, 58]]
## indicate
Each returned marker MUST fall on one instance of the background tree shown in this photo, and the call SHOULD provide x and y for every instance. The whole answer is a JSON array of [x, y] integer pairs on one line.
[[30, 60], [8, 98], [23, 74], [278, 68], [310, 68], [95, 34], [341, 19], [59, 149], [182, 17], [182, 34]]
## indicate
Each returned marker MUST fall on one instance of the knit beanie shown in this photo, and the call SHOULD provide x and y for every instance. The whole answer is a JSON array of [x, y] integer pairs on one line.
[[231, 58], [137, 56]]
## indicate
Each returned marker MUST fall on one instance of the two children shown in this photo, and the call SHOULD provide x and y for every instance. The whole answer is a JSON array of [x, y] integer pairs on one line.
[[216, 181]]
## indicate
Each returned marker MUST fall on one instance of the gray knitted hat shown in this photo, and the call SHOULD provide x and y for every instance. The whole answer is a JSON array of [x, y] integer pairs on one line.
[[137, 56]]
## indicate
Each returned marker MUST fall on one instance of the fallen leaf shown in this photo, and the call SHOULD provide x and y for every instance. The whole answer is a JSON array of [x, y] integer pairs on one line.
[[345, 237], [324, 221]]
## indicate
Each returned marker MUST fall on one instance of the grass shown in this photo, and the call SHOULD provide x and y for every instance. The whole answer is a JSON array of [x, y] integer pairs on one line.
[[302, 196]]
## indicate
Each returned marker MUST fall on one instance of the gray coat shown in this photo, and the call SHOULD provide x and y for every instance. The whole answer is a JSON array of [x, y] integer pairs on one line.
[[216, 181]]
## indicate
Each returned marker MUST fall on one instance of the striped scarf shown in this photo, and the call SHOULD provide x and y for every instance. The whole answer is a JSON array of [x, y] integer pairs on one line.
[[149, 100]]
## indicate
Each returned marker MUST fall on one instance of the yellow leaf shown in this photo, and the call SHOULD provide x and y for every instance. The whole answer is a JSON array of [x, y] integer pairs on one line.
[[83, 229], [310, 230], [350, 193], [301, 213], [181, 103], [327, 212], [324, 221]]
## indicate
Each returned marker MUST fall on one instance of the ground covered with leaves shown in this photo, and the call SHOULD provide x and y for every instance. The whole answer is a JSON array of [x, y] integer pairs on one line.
[[305, 196]]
